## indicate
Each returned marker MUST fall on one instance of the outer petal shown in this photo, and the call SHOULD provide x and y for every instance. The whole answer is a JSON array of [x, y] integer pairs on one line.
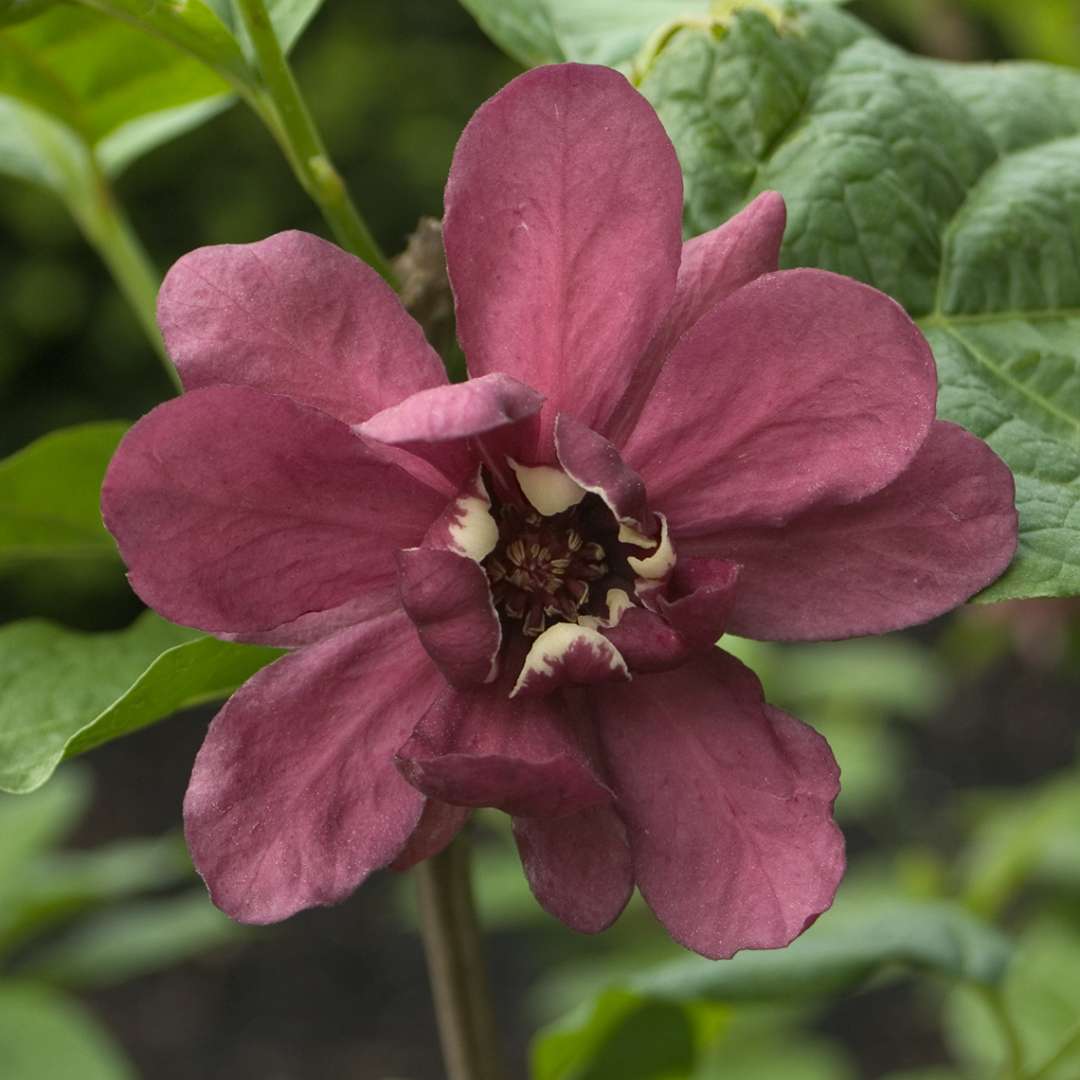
[[727, 803], [714, 265], [294, 798], [802, 389], [578, 867], [294, 315], [562, 234], [451, 425], [477, 748], [937, 535], [439, 824], [447, 596], [237, 510]]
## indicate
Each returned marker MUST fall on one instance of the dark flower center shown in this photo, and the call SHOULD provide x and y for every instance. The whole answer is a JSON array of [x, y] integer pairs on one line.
[[544, 567]]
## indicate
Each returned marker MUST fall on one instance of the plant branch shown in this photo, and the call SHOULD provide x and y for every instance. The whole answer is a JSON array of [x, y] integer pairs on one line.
[[455, 964], [283, 108], [108, 230]]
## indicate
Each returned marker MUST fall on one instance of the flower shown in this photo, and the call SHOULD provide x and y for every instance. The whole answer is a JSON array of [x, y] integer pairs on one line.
[[507, 592]]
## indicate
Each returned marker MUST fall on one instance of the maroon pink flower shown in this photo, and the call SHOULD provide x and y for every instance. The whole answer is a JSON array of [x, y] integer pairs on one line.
[[507, 592]]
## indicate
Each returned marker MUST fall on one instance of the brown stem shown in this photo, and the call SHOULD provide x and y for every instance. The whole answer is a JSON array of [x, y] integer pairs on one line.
[[455, 961]]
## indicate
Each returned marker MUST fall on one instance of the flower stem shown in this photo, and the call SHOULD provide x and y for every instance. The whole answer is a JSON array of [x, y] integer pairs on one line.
[[108, 230], [456, 966], [1013, 1066], [282, 107]]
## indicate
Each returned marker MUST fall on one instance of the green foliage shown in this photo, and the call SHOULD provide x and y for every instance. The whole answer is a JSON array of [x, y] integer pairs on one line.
[[124, 942], [65, 692], [1042, 998], [87, 88], [855, 944], [45, 1036], [49, 495]]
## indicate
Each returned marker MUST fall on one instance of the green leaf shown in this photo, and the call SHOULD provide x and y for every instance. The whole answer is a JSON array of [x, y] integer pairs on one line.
[[63, 692], [33, 824], [85, 89], [49, 495], [1021, 835], [13, 11], [611, 32], [58, 887], [45, 1036], [123, 942], [623, 1036], [1041, 996], [951, 187], [840, 952]]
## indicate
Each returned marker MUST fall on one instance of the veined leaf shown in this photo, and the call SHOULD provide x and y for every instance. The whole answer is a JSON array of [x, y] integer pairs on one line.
[[63, 692]]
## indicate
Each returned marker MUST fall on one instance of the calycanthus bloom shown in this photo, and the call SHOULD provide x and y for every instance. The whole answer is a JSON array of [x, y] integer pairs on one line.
[[506, 593]]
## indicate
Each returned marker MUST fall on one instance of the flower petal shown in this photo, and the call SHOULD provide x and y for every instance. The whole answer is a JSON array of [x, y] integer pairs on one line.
[[447, 596], [439, 824], [934, 537], [578, 867], [727, 804], [294, 315], [562, 230], [802, 389], [237, 510], [450, 425], [593, 463], [567, 654], [294, 798], [700, 599], [477, 748], [713, 266]]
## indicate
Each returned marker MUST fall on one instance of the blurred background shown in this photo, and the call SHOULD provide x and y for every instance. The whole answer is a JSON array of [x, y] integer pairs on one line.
[[957, 742]]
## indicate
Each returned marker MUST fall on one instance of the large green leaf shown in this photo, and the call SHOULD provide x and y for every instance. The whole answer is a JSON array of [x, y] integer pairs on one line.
[[45, 1036], [951, 187], [63, 692], [49, 495], [612, 32]]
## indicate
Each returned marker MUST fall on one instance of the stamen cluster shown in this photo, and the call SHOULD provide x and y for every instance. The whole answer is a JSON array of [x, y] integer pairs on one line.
[[542, 567]]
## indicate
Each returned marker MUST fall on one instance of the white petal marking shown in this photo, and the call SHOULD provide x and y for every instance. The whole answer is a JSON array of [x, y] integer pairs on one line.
[[549, 489], [661, 562], [556, 641]]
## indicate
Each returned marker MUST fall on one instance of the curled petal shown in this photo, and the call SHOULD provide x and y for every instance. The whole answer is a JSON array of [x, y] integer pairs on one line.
[[448, 598], [578, 866], [802, 389], [451, 425], [240, 511], [477, 748], [687, 616], [938, 534], [563, 232], [567, 654], [700, 599], [727, 804], [294, 798], [594, 464], [466, 526], [294, 315]]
